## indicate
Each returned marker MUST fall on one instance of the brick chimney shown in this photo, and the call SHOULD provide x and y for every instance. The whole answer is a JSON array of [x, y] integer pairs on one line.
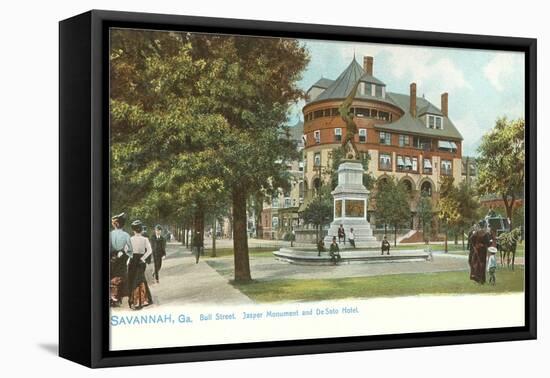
[[445, 104], [368, 62], [412, 106]]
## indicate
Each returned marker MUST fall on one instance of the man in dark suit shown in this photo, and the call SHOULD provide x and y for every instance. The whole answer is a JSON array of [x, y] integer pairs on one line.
[[158, 243]]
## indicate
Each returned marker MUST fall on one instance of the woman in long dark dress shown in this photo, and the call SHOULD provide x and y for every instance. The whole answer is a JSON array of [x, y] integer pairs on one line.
[[481, 240], [139, 293]]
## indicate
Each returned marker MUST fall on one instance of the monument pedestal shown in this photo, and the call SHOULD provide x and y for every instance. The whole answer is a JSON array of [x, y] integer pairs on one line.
[[350, 206]]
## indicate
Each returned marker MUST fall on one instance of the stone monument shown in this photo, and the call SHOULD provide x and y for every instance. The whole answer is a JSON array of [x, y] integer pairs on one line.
[[350, 206]]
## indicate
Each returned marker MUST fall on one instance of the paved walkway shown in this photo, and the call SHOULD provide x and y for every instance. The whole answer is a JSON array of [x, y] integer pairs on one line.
[[272, 269], [182, 281]]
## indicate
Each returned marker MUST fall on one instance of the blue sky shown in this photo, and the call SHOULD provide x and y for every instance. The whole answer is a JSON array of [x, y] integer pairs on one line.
[[482, 85]]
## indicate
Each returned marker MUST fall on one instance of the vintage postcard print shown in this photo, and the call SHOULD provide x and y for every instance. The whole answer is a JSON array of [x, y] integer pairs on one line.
[[267, 189]]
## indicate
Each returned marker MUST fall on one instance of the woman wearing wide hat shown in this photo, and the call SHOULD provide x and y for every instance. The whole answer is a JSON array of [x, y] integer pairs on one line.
[[120, 252], [139, 293]]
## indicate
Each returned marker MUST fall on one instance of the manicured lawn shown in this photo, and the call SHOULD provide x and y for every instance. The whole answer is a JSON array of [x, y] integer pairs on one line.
[[379, 286], [520, 251], [256, 252]]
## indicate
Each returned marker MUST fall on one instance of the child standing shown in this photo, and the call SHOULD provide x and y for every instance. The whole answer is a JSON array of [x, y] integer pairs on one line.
[[492, 265]]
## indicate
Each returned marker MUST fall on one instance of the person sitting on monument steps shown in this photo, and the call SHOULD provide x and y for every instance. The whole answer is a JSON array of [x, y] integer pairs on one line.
[[341, 234], [321, 246], [351, 238], [334, 251], [385, 245]]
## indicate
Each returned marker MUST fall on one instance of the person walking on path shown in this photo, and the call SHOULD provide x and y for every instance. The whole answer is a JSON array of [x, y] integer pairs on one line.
[[158, 243], [120, 252], [341, 234], [139, 293], [197, 245]]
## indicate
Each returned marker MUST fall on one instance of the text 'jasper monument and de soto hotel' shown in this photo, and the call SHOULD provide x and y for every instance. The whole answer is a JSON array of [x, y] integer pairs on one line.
[[405, 135]]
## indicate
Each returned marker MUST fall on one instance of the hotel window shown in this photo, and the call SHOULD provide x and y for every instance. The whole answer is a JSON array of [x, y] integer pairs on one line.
[[317, 136], [427, 166], [368, 89], [385, 138], [384, 115], [275, 202], [362, 135], [403, 140], [317, 159], [337, 134], [408, 163], [275, 222], [362, 112], [404, 163], [288, 202], [318, 113], [400, 163], [334, 112], [415, 164], [378, 92], [374, 113], [446, 167], [327, 112], [385, 162], [434, 122]]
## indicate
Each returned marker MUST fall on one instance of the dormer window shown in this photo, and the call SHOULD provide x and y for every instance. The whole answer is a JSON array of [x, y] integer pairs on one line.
[[434, 122]]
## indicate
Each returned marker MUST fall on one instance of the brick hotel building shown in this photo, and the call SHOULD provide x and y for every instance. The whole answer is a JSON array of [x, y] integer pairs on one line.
[[406, 136]]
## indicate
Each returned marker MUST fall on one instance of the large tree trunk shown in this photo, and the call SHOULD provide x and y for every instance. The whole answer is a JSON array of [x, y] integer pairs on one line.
[[509, 205], [214, 238], [463, 246], [395, 236], [240, 238], [446, 239]]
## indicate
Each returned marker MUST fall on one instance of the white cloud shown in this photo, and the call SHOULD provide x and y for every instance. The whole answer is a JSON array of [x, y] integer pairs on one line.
[[472, 131], [432, 73], [500, 69]]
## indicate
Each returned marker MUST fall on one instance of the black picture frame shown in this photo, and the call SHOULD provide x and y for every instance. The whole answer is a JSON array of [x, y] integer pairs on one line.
[[84, 191]]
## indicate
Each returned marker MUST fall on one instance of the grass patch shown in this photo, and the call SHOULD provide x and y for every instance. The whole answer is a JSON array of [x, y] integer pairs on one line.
[[379, 286], [520, 251]]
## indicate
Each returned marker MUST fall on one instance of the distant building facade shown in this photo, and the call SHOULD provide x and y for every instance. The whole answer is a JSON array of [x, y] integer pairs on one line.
[[405, 136]]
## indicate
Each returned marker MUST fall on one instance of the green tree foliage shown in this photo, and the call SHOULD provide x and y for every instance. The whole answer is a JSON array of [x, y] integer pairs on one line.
[[501, 164], [196, 121], [468, 208], [319, 211], [449, 212], [392, 204], [425, 215]]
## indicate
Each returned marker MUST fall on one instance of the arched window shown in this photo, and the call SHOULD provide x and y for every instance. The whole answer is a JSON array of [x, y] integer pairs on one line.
[[381, 182], [408, 186], [426, 188], [316, 183]]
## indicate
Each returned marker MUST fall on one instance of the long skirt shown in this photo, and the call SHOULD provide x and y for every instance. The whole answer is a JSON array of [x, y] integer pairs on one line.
[[118, 278], [478, 263], [139, 293]]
